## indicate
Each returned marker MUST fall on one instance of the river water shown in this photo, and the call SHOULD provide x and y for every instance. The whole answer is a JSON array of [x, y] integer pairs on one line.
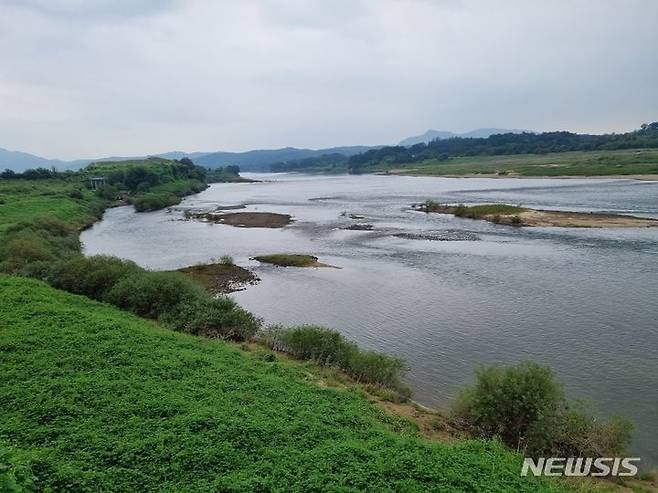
[[583, 301]]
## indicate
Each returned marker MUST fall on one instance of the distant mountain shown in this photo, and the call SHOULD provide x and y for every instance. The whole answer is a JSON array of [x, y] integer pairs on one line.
[[260, 160], [257, 160], [20, 161], [442, 134]]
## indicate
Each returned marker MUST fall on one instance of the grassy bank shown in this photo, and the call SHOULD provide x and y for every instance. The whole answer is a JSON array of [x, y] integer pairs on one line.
[[97, 399], [579, 163]]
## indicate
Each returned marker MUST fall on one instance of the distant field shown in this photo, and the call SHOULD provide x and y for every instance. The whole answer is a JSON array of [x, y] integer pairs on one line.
[[580, 163]]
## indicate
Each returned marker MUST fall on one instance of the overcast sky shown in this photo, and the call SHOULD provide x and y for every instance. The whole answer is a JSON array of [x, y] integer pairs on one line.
[[85, 78]]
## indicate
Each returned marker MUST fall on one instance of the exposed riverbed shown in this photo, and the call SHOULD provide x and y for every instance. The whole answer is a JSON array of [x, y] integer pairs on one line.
[[442, 292]]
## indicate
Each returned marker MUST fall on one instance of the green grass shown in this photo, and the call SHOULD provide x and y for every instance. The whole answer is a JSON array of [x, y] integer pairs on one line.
[[24, 200], [96, 399], [580, 163], [478, 211], [288, 259]]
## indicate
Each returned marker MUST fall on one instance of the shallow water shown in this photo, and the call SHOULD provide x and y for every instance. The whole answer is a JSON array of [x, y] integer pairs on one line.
[[581, 300]]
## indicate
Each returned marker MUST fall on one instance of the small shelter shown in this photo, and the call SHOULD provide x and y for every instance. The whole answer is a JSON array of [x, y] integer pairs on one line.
[[96, 182]]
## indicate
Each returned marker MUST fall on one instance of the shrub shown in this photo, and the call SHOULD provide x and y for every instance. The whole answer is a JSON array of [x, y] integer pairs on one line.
[[154, 294], [108, 192], [327, 347], [226, 260], [214, 317], [173, 299], [514, 403], [582, 435], [525, 406], [91, 276], [155, 201], [373, 367], [76, 194]]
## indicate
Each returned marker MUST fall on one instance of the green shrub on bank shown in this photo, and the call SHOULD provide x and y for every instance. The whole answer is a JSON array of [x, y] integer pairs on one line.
[[525, 406], [155, 201], [328, 347], [91, 276], [219, 318], [180, 303], [152, 294]]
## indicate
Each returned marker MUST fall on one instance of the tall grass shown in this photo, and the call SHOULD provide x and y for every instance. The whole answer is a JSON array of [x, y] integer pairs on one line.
[[328, 347]]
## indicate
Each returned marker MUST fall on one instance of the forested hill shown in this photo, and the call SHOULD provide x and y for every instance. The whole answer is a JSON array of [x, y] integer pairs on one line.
[[495, 145]]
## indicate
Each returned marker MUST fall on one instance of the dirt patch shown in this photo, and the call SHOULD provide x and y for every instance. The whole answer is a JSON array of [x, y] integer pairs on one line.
[[245, 219], [220, 278], [292, 260]]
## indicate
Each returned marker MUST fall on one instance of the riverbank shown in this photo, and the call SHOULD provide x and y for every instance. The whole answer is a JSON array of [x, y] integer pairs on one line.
[[523, 216], [268, 427]]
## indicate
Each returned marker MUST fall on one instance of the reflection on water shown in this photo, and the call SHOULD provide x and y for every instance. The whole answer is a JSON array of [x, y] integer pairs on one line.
[[580, 300]]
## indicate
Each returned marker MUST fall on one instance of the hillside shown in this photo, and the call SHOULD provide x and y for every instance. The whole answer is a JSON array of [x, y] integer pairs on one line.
[[260, 160], [96, 399], [20, 161]]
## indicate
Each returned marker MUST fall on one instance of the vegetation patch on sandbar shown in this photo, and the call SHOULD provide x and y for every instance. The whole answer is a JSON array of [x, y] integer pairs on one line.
[[447, 235], [245, 219], [359, 227], [292, 260], [522, 216], [221, 277]]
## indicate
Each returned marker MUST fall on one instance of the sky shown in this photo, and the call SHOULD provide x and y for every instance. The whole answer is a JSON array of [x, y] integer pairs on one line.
[[85, 78]]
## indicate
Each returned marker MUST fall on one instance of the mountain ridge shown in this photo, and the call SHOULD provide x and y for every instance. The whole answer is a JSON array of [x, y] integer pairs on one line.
[[432, 134]]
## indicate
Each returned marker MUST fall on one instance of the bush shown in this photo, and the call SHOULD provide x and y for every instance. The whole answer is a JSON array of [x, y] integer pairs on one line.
[[108, 192], [214, 317], [155, 201], [525, 406], [582, 435], [173, 299], [91, 276], [327, 347], [226, 260], [154, 294], [514, 403], [76, 194]]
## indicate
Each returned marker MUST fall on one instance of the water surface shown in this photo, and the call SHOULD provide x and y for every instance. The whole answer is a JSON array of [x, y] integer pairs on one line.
[[581, 300]]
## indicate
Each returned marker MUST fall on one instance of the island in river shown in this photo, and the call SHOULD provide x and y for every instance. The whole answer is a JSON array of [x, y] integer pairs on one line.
[[522, 216]]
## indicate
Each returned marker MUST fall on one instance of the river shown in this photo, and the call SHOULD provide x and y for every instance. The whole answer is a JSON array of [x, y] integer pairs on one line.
[[583, 301]]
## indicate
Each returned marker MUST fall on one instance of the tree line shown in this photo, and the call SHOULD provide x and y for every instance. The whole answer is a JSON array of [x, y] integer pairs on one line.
[[499, 144]]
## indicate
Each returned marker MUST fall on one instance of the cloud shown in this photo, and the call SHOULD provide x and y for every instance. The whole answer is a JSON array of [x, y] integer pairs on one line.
[[82, 78]]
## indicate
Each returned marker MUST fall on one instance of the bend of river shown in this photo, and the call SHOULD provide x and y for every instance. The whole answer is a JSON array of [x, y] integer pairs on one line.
[[584, 301]]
